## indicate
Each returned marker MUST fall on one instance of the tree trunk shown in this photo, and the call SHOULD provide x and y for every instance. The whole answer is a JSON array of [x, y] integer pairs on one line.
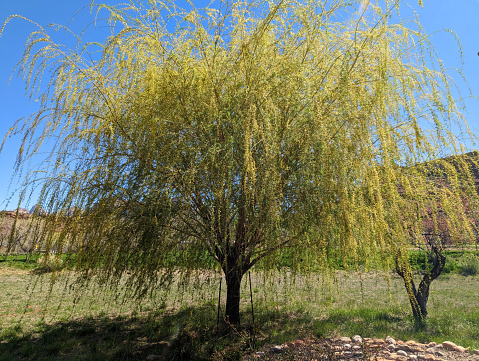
[[233, 284], [418, 297], [235, 263], [418, 300]]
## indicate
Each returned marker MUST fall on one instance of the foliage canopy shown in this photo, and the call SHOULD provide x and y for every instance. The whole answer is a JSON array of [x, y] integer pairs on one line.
[[237, 130]]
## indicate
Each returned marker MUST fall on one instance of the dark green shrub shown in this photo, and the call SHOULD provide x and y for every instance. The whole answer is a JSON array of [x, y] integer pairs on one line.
[[423, 262], [469, 265]]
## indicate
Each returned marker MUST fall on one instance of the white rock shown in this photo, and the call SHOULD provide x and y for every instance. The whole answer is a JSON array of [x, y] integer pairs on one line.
[[346, 346], [277, 349], [404, 347], [345, 340], [402, 353], [390, 340], [448, 345], [357, 339]]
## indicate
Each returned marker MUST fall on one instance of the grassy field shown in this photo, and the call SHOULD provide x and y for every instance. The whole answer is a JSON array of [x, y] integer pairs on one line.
[[103, 326]]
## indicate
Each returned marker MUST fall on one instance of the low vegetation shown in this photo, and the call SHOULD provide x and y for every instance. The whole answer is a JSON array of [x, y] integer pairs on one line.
[[469, 265], [182, 325]]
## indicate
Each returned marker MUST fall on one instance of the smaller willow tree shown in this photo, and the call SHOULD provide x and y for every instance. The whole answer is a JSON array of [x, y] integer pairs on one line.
[[444, 217], [232, 132]]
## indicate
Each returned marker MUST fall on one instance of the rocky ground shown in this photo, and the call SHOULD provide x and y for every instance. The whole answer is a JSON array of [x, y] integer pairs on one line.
[[356, 348]]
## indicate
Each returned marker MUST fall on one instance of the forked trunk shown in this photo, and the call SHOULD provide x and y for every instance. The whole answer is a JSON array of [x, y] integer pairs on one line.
[[418, 297]]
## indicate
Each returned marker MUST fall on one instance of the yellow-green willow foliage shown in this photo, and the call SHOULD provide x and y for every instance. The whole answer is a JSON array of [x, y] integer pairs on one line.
[[235, 131]]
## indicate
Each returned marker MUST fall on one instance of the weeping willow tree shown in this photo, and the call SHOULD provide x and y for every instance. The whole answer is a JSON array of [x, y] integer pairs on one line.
[[234, 132], [442, 217]]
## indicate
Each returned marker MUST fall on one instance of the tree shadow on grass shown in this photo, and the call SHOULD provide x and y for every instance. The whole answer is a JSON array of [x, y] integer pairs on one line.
[[191, 334], [186, 334]]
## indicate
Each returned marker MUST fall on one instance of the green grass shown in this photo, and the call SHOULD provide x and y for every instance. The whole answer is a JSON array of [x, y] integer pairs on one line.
[[102, 326], [19, 261], [454, 260]]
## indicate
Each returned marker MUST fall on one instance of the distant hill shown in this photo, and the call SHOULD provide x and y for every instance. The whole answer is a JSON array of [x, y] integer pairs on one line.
[[471, 160], [38, 209], [22, 214]]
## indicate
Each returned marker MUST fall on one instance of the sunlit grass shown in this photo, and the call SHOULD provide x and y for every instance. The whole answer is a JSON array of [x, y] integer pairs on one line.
[[102, 325]]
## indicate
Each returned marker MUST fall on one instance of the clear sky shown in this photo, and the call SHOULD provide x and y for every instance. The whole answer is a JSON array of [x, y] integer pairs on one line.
[[461, 16]]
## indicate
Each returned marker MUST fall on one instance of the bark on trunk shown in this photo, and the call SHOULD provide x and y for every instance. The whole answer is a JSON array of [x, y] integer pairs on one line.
[[418, 297], [235, 262], [233, 284], [418, 301]]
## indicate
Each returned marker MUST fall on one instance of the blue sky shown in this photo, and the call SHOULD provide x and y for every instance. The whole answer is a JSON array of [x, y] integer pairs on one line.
[[459, 16]]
